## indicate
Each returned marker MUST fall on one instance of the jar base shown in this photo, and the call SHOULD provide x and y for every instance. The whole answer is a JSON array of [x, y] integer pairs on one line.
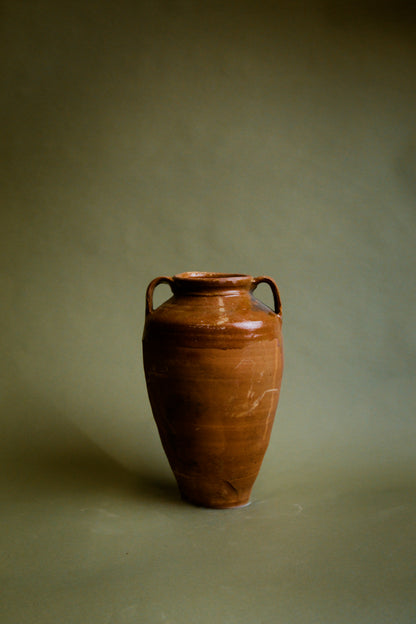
[[215, 494], [215, 505]]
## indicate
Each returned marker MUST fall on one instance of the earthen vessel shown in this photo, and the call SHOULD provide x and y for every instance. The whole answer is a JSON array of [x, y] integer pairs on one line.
[[213, 363]]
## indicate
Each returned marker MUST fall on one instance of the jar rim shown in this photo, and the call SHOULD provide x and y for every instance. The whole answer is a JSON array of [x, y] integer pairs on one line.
[[205, 279], [207, 275]]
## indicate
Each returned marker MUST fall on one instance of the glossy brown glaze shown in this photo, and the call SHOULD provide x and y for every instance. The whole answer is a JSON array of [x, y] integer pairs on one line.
[[213, 362]]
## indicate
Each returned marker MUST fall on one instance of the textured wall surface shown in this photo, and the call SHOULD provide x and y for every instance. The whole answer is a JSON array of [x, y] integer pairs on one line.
[[149, 138]]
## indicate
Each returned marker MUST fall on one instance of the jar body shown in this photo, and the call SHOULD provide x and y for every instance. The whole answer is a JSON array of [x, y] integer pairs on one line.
[[213, 362]]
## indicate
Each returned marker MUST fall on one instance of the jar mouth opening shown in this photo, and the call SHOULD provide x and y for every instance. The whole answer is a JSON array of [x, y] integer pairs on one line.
[[203, 275], [209, 280]]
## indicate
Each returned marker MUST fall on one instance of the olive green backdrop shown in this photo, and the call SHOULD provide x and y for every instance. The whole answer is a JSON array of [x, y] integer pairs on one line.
[[149, 138]]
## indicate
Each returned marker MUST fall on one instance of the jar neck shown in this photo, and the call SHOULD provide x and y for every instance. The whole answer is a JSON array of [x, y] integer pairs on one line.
[[199, 283]]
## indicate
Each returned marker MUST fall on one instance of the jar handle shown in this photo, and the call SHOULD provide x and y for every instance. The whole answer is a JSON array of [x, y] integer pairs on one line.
[[149, 292], [276, 295]]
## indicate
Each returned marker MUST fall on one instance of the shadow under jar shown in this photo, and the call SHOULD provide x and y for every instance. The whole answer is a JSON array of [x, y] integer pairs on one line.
[[213, 361]]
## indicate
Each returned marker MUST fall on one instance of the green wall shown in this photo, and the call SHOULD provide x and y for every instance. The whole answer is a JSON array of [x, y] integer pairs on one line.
[[148, 138]]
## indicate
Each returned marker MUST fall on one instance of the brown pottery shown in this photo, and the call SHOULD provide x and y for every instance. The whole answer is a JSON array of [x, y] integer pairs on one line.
[[213, 362]]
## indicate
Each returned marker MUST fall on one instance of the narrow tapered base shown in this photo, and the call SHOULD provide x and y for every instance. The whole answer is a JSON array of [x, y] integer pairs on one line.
[[215, 494]]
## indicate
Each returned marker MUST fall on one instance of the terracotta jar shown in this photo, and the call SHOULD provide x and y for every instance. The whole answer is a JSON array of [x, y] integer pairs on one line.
[[213, 362]]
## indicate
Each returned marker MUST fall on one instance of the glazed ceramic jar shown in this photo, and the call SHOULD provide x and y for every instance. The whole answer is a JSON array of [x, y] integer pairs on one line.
[[213, 363]]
